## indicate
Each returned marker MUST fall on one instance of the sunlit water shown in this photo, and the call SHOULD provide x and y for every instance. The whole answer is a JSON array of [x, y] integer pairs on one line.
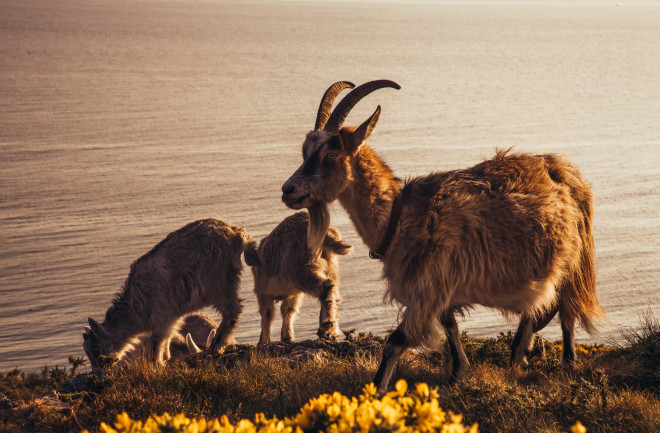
[[121, 121]]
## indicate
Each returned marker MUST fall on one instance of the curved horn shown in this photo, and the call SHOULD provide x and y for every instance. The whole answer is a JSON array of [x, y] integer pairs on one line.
[[346, 105], [326, 102]]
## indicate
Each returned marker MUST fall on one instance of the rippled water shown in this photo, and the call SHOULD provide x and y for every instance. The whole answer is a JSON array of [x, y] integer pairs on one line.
[[122, 121]]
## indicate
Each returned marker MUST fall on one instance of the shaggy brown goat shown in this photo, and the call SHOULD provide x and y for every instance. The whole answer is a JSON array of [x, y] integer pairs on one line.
[[512, 233], [284, 268], [194, 267]]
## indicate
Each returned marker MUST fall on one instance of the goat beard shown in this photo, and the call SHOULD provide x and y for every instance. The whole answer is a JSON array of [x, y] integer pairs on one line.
[[319, 221]]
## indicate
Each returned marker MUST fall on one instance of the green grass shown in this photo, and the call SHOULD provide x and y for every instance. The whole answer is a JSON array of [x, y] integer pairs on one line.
[[611, 389]]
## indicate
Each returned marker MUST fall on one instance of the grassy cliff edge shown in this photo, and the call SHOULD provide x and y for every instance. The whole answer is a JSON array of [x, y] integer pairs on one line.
[[611, 389]]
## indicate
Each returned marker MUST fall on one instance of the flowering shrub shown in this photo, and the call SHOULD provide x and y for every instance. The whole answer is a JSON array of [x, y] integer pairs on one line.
[[418, 411], [586, 349], [396, 411]]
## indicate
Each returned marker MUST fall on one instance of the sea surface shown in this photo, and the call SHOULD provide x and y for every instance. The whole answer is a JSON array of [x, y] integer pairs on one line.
[[121, 121]]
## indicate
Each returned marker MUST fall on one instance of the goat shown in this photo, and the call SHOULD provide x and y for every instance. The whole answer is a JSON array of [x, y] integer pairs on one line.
[[512, 233], [198, 328], [194, 267], [284, 268]]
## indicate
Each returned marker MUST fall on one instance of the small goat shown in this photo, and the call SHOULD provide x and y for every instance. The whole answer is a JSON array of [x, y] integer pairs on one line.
[[194, 267], [512, 233], [284, 268], [198, 328]]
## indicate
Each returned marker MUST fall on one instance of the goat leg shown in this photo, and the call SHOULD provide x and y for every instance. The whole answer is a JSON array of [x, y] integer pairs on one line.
[[267, 311], [460, 363], [567, 329], [394, 347], [524, 338], [328, 327], [224, 333], [288, 310]]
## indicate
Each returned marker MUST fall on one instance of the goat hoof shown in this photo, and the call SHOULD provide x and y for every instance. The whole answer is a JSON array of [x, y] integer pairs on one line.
[[219, 350], [327, 336], [327, 331], [568, 364], [459, 375], [520, 363]]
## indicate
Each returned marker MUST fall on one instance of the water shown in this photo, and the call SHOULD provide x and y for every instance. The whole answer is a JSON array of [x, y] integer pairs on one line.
[[122, 121]]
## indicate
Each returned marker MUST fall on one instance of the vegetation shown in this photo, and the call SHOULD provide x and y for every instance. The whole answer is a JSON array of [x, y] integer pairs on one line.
[[611, 389]]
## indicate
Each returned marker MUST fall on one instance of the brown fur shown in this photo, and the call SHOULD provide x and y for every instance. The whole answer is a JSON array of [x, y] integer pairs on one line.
[[284, 268], [194, 267], [197, 325], [512, 233]]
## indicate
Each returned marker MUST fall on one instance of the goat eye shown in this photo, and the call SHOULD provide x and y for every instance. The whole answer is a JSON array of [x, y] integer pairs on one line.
[[331, 155]]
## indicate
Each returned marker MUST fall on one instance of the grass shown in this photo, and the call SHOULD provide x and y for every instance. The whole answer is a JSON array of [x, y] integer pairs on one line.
[[611, 389]]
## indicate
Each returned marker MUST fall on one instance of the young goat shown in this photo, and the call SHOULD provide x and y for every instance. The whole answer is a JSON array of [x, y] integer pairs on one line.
[[284, 268], [194, 267], [512, 233], [198, 328]]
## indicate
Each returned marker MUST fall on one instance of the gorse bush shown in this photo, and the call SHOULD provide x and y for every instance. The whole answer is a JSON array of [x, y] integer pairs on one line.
[[396, 411], [418, 411]]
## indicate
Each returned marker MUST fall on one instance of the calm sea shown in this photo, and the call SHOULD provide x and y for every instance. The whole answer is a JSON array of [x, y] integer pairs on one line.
[[121, 121]]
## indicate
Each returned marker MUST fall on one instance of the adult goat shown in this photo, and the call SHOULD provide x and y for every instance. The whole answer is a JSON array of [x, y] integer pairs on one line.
[[284, 267], [512, 233], [194, 267]]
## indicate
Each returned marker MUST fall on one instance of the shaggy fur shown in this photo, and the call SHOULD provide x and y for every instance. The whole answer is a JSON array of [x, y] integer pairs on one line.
[[284, 268], [194, 267], [513, 233]]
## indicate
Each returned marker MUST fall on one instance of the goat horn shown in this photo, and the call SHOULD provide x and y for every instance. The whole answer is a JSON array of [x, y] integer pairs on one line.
[[346, 105], [326, 102]]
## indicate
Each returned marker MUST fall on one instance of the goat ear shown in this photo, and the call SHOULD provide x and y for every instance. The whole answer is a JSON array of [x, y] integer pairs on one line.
[[363, 131], [95, 327]]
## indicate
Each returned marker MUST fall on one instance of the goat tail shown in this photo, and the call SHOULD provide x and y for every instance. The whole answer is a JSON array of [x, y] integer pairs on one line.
[[248, 246], [333, 242], [245, 237], [251, 255], [578, 299]]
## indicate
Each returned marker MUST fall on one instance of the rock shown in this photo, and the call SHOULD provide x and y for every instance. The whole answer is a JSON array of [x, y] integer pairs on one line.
[[77, 384], [51, 399]]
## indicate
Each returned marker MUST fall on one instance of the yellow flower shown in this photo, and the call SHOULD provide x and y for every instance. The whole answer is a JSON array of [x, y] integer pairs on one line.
[[401, 387], [332, 413], [245, 426], [124, 422], [578, 428], [429, 415], [391, 415], [105, 428], [422, 390], [370, 389]]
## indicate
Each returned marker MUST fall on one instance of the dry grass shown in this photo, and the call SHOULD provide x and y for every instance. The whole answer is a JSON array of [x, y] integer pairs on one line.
[[612, 389]]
